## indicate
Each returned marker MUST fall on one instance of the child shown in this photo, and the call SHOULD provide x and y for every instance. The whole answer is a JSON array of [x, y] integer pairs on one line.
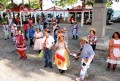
[[65, 34], [6, 30], [31, 35], [14, 32]]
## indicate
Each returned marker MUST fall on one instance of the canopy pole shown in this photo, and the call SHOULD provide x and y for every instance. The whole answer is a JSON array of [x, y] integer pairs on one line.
[[31, 14], [64, 16], [82, 18], [23, 16], [89, 15], [1, 14], [20, 20], [35, 18], [75, 16], [8, 15]]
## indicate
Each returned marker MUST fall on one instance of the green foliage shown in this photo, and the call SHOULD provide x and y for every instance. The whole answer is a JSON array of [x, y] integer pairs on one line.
[[34, 4], [2, 20], [5, 2], [64, 3], [10, 5], [89, 3], [109, 3]]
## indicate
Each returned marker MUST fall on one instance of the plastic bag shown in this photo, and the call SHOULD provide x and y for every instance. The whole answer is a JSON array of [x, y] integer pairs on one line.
[[41, 54]]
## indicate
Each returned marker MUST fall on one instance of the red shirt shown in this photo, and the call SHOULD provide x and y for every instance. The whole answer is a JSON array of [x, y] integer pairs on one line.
[[25, 27]]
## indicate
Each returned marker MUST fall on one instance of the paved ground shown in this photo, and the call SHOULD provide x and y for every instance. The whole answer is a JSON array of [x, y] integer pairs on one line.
[[14, 69]]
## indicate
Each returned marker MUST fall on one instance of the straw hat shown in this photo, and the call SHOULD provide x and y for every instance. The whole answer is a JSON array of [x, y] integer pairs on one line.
[[85, 38], [4, 22], [92, 29]]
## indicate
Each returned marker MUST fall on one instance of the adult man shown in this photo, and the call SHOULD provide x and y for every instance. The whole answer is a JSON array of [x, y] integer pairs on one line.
[[48, 42], [87, 55]]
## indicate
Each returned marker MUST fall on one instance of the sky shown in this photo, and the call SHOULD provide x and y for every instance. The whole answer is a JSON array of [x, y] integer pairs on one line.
[[115, 6]]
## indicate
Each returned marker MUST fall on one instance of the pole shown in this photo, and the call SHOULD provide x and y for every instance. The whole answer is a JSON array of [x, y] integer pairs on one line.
[[64, 16], [82, 15], [35, 18], [13, 12], [89, 15], [82, 18], [20, 20]]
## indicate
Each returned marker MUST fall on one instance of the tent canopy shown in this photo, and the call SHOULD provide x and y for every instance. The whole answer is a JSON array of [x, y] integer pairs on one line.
[[54, 8], [21, 8]]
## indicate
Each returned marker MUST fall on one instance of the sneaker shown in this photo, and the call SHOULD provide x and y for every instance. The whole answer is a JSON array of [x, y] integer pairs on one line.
[[45, 66]]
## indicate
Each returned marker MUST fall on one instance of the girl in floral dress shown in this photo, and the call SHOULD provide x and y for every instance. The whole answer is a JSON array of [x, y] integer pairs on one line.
[[92, 38]]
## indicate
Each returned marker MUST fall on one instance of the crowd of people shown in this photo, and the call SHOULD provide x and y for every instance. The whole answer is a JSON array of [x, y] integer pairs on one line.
[[55, 45]]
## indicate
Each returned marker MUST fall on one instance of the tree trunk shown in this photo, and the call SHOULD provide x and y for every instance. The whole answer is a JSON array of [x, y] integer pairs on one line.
[[41, 4], [13, 12], [23, 2], [29, 3]]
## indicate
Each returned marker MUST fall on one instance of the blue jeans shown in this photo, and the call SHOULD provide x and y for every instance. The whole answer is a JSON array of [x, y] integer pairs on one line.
[[25, 34], [48, 57], [55, 38]]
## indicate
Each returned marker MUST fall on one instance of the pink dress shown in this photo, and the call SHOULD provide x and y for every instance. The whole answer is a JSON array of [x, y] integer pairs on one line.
[[38, 45]]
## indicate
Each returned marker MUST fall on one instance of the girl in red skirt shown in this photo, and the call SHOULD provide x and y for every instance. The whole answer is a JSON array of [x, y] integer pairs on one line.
[[20, 45]]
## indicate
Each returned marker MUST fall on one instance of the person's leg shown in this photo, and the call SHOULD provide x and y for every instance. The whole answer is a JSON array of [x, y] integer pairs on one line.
[[20, 52], [50, 58], [25, 34], [76, 37], [30, 42], [114, 67], [94, 47], [73, 36], [24, 55], [46, 58], [39, 51], [108, 67], [5, 35]]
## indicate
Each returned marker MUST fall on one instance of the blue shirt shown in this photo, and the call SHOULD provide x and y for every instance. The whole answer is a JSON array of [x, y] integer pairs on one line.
[[31, 33], [87, 51]]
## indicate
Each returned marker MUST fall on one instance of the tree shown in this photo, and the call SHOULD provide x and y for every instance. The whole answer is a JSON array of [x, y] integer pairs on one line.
[[91, 2], [5, 2], [64, 3], [10, 5], [34, 4]]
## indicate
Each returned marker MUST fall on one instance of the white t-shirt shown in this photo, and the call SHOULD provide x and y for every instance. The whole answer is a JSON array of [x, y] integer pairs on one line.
[[49, 41]]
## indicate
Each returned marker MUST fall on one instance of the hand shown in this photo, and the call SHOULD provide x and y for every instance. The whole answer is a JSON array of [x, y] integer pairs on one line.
[[86, 60]]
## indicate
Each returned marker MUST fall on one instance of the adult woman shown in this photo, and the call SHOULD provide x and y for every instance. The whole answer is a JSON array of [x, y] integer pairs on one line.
[[114, 51], [38, 45], [92, 38], [61, 51], [20, 45]]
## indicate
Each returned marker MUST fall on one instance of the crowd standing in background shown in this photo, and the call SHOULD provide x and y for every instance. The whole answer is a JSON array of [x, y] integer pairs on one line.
[[55, 44]]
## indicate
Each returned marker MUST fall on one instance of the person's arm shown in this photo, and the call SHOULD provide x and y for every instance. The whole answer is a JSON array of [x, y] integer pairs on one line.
[[110, 47], [91, 53], [55, 48]]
